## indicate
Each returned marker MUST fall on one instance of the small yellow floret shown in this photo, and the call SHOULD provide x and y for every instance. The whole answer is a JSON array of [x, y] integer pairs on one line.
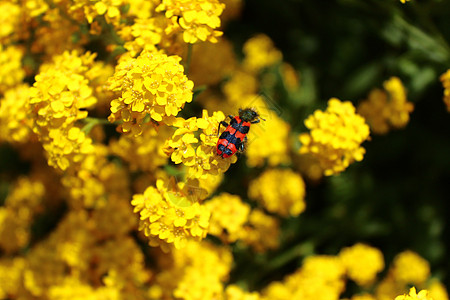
[[362, 263]]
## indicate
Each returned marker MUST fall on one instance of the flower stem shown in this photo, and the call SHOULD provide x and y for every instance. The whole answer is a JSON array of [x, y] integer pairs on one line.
[[92, 122]]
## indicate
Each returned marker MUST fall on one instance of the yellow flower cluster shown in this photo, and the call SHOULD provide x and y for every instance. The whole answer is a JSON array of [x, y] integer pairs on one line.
[[197, 19], [64, 265], [445, 79], [413, 295], [11, 72], [197, 151], [409, 269], [16, 216], [320, 277], [233, 220], [56, 37], [11, 271], [234, 292], [196, 272], [110, 9], [260, 53], [15, 126], [202, 71], [323, 277], [152, 84], [9, 21], [336, 136], [386, 110], [80, 224], [404, 1], [166, 221], [143, 152], [262, 231], [362, 263], [279, 191], [263, 145], [228, 216], [58, 99], [240, 90]]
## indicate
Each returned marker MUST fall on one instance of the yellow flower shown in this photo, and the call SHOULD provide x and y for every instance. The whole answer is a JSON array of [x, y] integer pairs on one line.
[[142, 9], [151, 84], [15, 125], [310, 167], [195, 150], [108, 8], [144, 152], [11, 72], [437, 290], [74, 288], [241, 84], [16, 216], [404, 1], [259, 53], [363, 296], [35, 8], [336, 136], [445, 79], [385, 110], [234, 292], [262, 232], [279, 191], [147, 33], [117, 211], [168, 218], [11, 270], [198, 271], [59, 98], [362, 263], [264, 145], [123, 255], [202, 71], [197, 19], [320, 277], [67, 250], [409, 268], [88, 177], [290, 77], [10, 21], [413, 295], [56, 36], [228, 216], [388, 288]]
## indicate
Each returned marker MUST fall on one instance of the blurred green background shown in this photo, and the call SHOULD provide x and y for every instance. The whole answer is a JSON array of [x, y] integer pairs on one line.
[[397, 198]]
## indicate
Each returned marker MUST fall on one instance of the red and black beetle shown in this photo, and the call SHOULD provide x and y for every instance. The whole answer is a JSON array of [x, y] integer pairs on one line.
[[234, 137]]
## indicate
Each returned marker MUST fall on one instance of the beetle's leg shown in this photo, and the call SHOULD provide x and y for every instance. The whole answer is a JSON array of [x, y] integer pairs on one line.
[[257, 121], [223, 123], [243, 144]]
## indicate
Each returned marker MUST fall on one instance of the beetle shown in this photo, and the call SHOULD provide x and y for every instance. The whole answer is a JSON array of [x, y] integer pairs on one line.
[[234, 137]]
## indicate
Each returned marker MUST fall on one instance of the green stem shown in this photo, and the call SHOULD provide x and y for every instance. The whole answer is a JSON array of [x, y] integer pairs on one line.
[[92, 122], [197, 91], [297, 251], [423, 14]]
